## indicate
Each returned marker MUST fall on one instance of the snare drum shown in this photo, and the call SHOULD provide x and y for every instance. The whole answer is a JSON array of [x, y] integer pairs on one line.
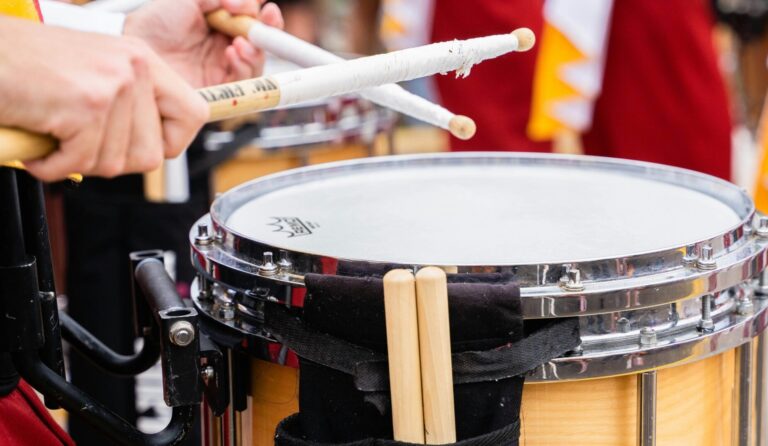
[[661, 265]]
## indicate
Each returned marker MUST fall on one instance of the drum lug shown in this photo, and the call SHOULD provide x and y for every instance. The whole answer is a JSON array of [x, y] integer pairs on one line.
[[224, 305], [623, 325], [203, 237], [690, 257], [762, 227], [268, 266], [648, 336], [745, 305], [706, 260], [284, 263], [572, 280]]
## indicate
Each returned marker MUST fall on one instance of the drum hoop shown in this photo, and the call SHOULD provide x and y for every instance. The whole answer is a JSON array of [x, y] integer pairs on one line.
[[727, 193], [739, 253], [673, 347]]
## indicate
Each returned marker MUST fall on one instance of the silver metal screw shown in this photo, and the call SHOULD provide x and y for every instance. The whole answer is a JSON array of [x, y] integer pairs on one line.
[[745, 305], [231, 297], [706, 324], [762, 226], [690, 256], [284, 263], [182, 333], [205, 288], [573, 280], [706, 260], [268, 266], [202, 237], [648, 336], [226, 311], [207, 374]]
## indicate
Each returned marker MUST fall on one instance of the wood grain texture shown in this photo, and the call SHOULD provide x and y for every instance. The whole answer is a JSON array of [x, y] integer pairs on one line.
[[694, 408], [274, 396], [403, 353], [435, 351]]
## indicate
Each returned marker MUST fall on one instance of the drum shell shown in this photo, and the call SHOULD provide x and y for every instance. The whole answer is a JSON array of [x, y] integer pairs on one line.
[[697, 404]]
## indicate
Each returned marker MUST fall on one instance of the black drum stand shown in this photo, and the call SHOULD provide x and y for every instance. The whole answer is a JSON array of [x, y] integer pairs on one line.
[[31, 327]]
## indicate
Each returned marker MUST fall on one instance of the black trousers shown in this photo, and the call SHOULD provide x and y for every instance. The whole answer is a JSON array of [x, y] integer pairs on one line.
[[105, 221]]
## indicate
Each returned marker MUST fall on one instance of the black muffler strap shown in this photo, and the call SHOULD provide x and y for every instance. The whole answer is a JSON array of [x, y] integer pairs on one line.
[[369, 368]]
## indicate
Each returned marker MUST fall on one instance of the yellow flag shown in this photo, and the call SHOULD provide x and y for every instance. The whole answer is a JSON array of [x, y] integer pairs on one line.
[[761, 181], [405, 23], [26, 9], [569, 67]]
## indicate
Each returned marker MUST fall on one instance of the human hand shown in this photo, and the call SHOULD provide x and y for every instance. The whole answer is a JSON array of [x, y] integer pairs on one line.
[[112, 103], [178, 32]]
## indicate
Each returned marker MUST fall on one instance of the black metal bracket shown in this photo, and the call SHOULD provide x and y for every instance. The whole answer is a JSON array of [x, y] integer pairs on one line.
[[22, 324], [105, 358], [81, 405], [179, 334], [214, 375], [35, 343]]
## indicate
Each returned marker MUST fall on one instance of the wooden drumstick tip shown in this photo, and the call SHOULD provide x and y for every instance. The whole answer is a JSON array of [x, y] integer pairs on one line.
[[431, 274], [525, 39], [462, 127], [399, 277]]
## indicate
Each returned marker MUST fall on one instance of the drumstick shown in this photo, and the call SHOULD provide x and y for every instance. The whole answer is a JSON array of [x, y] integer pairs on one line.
[[403, 353], [303, 53], [292, 87], [435, 351]]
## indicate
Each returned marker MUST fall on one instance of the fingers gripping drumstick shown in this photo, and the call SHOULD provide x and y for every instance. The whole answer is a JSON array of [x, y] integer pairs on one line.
[[237, 98], [403, 353], [435, 352]]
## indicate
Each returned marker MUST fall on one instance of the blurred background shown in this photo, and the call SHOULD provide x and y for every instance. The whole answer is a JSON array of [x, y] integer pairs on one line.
[[679, 82]]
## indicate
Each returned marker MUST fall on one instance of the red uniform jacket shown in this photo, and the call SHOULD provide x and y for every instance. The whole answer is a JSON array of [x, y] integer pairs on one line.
[[663, 97]]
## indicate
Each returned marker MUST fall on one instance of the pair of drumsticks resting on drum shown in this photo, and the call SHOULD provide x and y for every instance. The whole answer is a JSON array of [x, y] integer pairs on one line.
[[419, 356], [374, 77]]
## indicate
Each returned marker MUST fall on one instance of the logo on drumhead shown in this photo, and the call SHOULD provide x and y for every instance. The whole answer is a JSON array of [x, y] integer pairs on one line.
[[293, 226]]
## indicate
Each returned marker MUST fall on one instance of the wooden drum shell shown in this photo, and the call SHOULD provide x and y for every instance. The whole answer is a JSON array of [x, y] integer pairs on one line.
[[697, 405]]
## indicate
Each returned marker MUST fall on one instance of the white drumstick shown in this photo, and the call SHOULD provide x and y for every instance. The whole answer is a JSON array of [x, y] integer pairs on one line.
[[305, 54], [115, 5]]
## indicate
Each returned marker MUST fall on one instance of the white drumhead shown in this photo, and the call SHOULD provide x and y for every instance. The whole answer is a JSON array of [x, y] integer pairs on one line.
[[447, 214]]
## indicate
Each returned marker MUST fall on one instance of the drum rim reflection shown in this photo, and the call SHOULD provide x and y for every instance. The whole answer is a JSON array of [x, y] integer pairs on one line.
[[727, 193]]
